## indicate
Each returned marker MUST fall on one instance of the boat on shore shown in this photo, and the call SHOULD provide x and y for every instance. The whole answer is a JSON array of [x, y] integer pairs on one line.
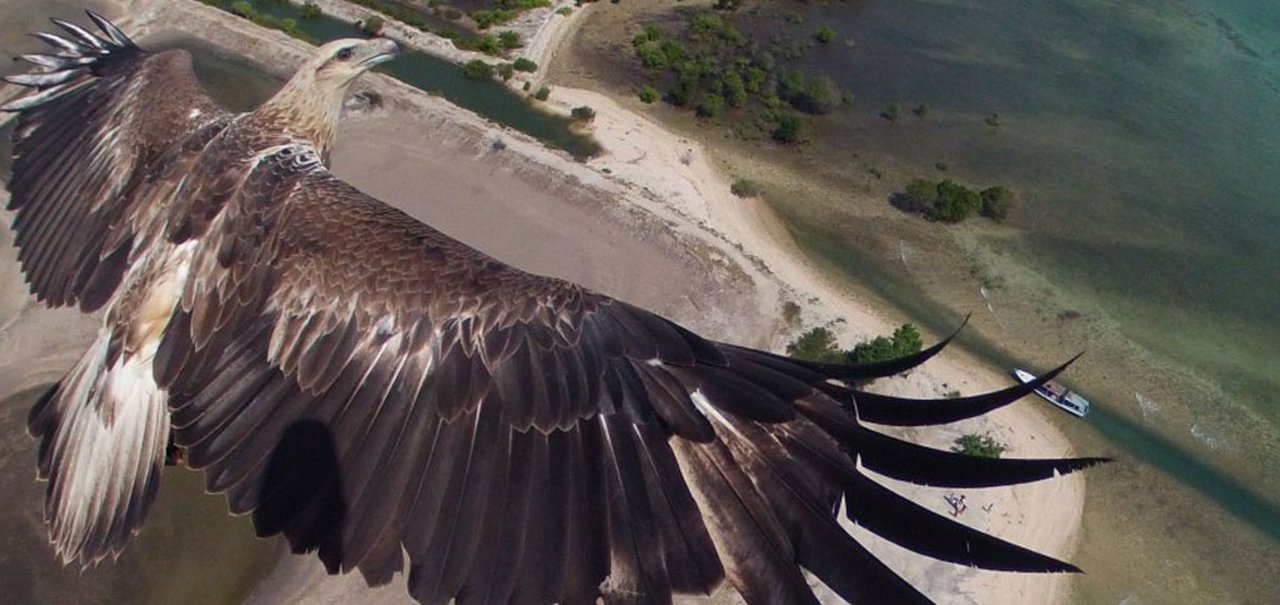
[[1055, 393]]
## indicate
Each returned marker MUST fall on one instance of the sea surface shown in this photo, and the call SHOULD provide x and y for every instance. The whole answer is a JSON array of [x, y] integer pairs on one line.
[[1143, 141]]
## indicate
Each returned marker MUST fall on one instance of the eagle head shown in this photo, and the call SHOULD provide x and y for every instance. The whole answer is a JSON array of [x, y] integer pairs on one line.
[[309, 104]]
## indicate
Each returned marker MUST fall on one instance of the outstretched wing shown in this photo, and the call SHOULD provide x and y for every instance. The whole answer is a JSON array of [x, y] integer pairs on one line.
[[373, 389], [100, 112]]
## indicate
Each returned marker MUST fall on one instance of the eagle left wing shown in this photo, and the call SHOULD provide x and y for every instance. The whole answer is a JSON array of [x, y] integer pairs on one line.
[[371, 388], [101, 114]]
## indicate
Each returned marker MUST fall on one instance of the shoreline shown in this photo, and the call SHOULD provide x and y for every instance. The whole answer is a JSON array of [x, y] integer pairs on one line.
[[686, 207]]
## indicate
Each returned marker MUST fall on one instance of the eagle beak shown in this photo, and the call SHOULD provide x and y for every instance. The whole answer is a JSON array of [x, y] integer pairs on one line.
[[379, 50]]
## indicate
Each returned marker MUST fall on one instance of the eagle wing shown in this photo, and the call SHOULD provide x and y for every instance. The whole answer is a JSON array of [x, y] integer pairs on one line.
[[373, 389], [103, 112]]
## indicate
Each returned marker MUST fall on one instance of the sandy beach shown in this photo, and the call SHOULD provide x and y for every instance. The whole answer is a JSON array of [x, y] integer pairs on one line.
[[652, 221]]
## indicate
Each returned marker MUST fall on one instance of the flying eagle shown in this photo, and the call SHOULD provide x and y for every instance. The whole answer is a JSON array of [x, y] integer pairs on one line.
[[392, 399]]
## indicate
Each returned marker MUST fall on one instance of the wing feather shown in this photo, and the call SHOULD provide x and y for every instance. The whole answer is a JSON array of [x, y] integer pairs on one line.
[[101, 111], [514, 438]]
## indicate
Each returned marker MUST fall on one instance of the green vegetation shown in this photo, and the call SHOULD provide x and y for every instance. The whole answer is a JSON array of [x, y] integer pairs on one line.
[[825, 34], [488, 18], [996, 203], [891, 112], [506, 71], [510, 39], [583, 113], [819, 344], [921, 110], [905, 341], [246, 10], [711, 67], [787, 126], [648, 94], [403, 14], [310, 10], [950, 202], [984, 446], [371, 26], [710, 105], [523, 64], [743, 187], [564, 11], [477, 69], [544, 93], [487, 44]]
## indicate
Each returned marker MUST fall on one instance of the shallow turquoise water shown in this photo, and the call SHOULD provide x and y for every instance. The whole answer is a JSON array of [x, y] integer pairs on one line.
[[1143, 138]]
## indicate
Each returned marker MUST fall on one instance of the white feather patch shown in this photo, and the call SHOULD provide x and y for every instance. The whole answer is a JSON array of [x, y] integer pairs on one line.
[[107, 454]]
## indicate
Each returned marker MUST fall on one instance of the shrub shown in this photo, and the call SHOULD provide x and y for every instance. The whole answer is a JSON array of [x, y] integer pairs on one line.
[[818, 344], [544, 93], [825, 34], [742, 187], [710, 105], [921, 110], [983, 446], [523, 64], [506, 71], [486, 18], [310, 10], [371, 26], [648, 94], [787, 127], [996, 202], [891, 112], [477, 69], [583, 113], [954, 202], [905, 341], [564, 11], [510, 39]]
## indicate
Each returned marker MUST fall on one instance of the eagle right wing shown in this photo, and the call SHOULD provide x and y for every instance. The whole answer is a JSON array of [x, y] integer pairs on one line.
[[397, 401], [102, 114]]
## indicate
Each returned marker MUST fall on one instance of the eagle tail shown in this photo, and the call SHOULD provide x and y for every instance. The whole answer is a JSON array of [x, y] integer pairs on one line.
[[103, 434]]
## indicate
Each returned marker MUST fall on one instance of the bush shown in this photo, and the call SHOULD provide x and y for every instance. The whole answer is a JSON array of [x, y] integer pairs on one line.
[[787, 127], [506, 71], [523, 64], [818, 344], [983, 446], [825, 34], [310, 10], [510, 39], [583, 113], [742, 187], [996, 202], [710, 105], [905, 341], [486, 18], [648, 94], [921, 110], [487, 44], [954, 202], [477, 69], [544, 93], [371, 26], [891, 112]]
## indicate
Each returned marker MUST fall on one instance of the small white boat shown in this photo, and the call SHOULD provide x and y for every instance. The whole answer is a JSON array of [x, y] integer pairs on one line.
[[1057, 394]]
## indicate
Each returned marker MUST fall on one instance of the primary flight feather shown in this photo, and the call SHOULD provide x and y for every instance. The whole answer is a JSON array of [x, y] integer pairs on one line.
[[397, 401]]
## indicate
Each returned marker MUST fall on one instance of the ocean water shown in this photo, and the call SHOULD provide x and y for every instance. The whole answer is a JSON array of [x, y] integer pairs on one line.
[[1143, 141]]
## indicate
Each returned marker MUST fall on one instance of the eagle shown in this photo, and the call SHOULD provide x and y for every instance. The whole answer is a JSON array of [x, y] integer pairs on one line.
[[399, 403]]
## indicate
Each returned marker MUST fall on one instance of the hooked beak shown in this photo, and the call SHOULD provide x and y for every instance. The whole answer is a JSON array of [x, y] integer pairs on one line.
[[379, 50]]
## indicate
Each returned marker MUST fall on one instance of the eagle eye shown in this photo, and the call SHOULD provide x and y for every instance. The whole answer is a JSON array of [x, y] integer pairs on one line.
[[345, 54]]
